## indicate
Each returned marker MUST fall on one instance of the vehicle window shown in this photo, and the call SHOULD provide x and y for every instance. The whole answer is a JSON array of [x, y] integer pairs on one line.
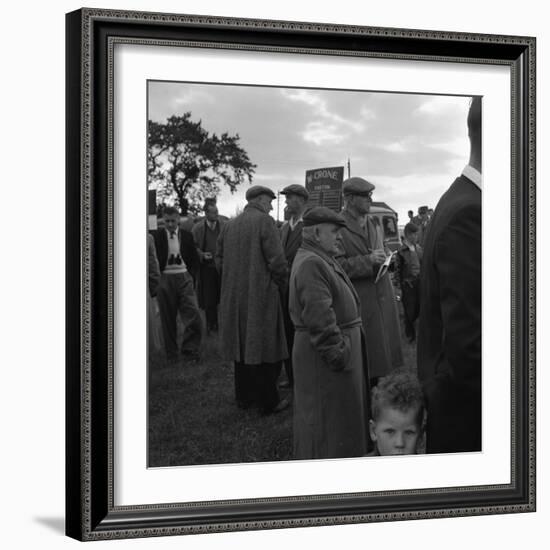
[[390, 229]]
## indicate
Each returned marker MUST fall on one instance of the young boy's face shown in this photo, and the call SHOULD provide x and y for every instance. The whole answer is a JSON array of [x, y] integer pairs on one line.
[[396, 432]]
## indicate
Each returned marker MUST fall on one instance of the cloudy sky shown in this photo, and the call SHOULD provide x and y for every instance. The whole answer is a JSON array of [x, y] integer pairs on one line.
[[410, 146]]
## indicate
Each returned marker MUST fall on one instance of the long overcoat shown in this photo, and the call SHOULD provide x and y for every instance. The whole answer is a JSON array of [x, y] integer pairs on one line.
[[378, 306], [330, 395], [253, 268], [208, 281]]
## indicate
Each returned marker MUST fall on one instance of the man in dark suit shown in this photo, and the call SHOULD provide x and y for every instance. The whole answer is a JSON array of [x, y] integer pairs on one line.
[[449, 336], [291, 237], [178, 261], [205, 233]]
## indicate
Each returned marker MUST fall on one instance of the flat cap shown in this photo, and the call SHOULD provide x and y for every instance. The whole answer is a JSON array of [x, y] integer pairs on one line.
[[322, 214], [257, 190], [295, 189], [357, 186]]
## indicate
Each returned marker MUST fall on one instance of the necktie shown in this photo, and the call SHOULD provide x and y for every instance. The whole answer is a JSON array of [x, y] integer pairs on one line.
[[172, 234]]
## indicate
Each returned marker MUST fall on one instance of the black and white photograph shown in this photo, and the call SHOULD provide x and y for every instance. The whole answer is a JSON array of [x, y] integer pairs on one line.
[[314, 273]]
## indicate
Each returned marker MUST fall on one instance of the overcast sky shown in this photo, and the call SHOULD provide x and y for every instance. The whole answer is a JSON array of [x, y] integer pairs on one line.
[[410, 146]]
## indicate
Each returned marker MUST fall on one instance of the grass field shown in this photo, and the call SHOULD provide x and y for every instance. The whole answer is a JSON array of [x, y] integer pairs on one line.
[[193, 417]]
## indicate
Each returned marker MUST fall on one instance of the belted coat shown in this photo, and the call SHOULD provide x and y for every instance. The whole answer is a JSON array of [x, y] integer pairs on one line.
[[330, 393], [253, 268], [378, 306]]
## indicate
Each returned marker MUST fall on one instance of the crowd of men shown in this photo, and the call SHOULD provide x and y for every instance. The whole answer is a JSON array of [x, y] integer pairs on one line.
[[309, 296]]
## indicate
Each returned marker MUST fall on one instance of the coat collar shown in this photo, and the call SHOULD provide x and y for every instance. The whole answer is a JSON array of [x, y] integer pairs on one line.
[[368, 232], [311, 246], [255, 206]]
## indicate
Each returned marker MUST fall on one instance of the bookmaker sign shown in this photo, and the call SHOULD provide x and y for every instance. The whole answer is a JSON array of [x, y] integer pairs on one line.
[[325, 187]]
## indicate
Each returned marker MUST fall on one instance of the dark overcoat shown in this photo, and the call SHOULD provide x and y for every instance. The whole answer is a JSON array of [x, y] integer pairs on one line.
[[208, 280], [378, 306], [449, 332], [253, 268], [292, 240], [330, 396]]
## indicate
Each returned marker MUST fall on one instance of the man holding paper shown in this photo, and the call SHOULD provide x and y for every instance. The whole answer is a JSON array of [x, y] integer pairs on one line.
[[362, 258]]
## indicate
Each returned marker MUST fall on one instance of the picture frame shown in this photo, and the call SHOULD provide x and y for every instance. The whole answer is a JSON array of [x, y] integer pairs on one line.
[[91, 512]]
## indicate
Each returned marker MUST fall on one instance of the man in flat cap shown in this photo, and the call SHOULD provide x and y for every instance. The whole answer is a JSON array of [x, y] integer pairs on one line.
[[253, 269], [363, 254], [291, 237], [330, 393]]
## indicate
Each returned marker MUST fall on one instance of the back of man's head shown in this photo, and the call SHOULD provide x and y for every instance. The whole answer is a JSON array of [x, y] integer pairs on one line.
[[474, 119]]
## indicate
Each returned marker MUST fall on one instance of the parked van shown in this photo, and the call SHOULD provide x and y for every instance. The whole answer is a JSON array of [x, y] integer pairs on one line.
[[385, 219]]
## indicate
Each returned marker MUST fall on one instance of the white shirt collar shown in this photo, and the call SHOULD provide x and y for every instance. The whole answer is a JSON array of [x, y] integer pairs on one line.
[[474, 175]]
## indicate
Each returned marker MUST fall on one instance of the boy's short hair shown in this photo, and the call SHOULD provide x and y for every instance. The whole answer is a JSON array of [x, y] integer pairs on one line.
[[171, 211], [399, 390], [410, 228]]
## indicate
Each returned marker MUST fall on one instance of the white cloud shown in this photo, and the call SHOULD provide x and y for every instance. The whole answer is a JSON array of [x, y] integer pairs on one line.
[[320, 105], [321, 134], [436, 105], [395, 147]]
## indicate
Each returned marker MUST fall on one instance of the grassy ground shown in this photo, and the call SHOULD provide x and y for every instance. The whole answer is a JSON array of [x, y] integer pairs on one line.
[[193, 417]]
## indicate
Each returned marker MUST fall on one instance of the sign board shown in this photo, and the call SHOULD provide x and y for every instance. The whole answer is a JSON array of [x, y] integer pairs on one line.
[[324, 186]]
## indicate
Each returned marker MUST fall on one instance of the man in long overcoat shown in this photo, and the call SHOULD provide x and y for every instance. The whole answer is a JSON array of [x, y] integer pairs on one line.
[[206, 233], [253, 271], [363, 254], [291, 238], [330, 391], [449, 331]]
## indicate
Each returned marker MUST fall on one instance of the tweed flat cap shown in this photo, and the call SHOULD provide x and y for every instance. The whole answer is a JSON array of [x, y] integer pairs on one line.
[[295, 189], [322, 214], [357, 186], [257, 190]]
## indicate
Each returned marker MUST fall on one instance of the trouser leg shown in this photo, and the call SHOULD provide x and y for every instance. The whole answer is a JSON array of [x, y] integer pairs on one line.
[[189, 313], [266, 376], [289, 333], [211, 316], [244, 384], [167, 301]]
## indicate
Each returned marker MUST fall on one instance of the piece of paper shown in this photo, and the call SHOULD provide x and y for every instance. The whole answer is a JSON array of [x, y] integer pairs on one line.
[[384, 267]]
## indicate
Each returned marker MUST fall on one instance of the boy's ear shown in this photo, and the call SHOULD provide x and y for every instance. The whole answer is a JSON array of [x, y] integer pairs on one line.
[[372, 428]]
